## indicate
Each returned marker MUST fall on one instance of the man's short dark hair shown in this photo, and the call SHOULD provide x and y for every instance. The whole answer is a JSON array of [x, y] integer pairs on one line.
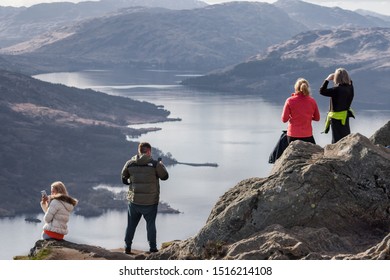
[[144, 147]]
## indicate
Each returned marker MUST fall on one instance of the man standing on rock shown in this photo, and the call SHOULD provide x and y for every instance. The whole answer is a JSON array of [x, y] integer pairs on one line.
[[142, 174]]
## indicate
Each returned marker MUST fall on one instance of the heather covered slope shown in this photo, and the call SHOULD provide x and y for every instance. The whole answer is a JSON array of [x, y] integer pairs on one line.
[[51, 132]]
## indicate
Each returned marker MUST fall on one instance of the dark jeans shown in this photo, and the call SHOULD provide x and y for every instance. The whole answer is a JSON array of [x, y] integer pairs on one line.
[[305, 139], [134, 214]]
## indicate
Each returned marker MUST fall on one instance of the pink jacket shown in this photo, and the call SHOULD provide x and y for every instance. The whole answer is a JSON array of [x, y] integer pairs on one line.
[[299, 110]]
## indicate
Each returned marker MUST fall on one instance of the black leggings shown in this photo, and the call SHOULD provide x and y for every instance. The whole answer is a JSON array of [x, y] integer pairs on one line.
[[339, 130], [305, 139]]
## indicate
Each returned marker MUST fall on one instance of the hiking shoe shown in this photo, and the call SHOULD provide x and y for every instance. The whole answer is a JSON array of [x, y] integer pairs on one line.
[[154, 250], [128, 251]]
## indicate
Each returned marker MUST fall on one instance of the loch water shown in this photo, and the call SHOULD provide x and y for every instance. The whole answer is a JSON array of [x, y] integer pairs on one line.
[[235, 130]]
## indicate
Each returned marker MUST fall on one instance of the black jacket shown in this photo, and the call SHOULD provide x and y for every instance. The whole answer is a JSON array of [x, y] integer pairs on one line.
[[341, 96]]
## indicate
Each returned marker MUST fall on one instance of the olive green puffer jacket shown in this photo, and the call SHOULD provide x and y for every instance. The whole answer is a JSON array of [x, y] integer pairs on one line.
[[142, 174]]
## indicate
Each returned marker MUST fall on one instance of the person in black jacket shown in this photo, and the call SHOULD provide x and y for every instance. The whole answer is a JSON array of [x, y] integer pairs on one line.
[[341, 96]]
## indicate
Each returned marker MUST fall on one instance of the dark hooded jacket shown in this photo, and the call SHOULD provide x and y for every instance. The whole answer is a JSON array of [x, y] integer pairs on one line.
[[142, 174]]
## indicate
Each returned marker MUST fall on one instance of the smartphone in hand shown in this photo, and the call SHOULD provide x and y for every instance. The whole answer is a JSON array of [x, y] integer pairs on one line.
[[43, 193]]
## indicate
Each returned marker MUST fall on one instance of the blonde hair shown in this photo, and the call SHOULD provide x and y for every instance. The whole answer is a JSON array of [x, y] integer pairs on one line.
[[301, 85], [341, 77], [62, 193], [59, 187]]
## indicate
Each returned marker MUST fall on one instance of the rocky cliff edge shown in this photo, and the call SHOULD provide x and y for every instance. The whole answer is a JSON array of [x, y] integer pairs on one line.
[[317, 203]]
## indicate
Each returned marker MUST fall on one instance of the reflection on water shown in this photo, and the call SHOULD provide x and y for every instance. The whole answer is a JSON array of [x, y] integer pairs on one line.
[[237, 132]]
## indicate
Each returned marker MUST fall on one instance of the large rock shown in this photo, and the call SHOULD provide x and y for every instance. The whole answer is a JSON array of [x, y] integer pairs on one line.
[[382, 136], [65, 250], [317, 203]]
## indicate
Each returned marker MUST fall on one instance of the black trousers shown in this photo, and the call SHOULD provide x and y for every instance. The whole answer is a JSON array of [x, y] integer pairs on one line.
[[339, 130], [305, 139]]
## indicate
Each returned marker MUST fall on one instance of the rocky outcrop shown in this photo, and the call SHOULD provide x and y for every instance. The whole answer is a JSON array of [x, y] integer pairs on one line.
[[382, 136], [317, 203], [65, 250]]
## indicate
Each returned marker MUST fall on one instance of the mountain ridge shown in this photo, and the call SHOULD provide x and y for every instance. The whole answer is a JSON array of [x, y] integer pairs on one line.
[[169, 39], [313, 55], [205, 38], [19, 24], [320, 17]]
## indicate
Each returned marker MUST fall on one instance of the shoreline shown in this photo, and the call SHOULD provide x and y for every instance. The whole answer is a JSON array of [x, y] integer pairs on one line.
[[207, 164]]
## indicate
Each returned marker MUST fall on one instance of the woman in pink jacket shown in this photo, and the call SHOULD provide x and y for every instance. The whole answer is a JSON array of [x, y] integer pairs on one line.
[[299, 111]]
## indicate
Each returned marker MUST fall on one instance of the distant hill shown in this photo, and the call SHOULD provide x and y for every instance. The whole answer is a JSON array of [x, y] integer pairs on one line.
[[373, 14], [53, 132], [22, 24], [364, 52], [205, 38], [320, 17]]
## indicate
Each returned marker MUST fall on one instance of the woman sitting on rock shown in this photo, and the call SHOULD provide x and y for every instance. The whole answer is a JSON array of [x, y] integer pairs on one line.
[[57, 208]]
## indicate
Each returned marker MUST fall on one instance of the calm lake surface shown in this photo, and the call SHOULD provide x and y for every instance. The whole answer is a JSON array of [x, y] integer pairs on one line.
[[236, 131]]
